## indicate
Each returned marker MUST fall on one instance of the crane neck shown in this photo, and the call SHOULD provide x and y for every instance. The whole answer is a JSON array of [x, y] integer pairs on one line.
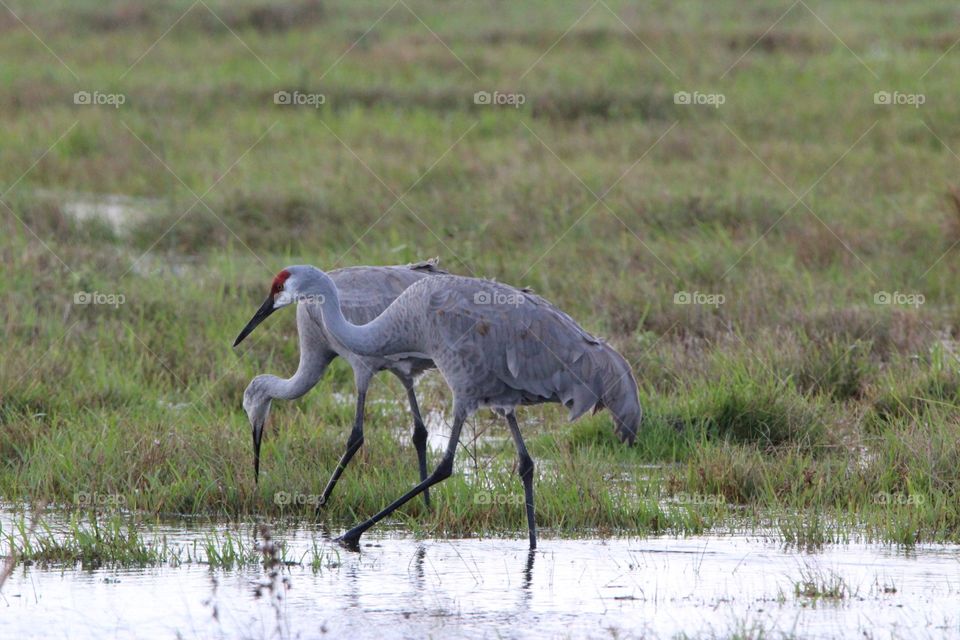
[[314, 359], [370, 339]]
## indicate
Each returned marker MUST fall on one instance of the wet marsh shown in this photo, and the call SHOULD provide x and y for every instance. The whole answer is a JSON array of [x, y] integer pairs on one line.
[[780, 269]]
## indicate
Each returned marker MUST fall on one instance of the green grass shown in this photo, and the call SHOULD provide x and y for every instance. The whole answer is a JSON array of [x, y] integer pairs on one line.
[[90, 544], [91, 540], [804, 404], [816, 584]]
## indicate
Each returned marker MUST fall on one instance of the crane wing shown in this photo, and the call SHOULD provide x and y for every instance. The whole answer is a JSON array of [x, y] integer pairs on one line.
[[519, 338]]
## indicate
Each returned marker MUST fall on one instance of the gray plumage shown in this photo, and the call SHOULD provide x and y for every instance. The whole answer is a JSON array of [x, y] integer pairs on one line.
[[501, 347], [495, 345], [365, 292]]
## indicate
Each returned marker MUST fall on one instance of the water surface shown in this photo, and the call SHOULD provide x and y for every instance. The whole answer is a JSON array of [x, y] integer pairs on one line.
[[400, 587]]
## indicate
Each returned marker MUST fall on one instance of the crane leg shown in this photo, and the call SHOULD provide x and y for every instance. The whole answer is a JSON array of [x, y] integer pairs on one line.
[[525, 470], [353, 443], [419, 435], [351, 539]]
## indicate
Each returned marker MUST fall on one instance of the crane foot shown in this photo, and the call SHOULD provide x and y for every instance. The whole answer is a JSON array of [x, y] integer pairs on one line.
[[350, 540]]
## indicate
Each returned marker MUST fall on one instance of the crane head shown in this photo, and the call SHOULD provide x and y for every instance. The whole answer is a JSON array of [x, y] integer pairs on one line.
[[279, 296], [256, 403]]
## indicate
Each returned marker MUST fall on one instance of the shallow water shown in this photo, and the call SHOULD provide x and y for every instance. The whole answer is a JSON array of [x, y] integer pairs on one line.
[[117, 211], [399, 587]]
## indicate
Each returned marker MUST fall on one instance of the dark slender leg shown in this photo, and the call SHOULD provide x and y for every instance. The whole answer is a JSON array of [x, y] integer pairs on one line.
[[353, 443], [419, 435], [526, 474], [351, 539]]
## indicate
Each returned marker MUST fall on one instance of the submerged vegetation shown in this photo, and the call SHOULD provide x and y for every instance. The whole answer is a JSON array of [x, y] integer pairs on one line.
[[817, 584], [779, 269], [90, 540]]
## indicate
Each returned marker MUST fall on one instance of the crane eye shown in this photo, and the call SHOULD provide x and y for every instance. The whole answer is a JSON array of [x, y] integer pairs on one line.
[[280, 287]]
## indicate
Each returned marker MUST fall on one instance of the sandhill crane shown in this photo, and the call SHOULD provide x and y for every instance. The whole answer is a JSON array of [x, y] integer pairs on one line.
[[365, 293], [496, 347]]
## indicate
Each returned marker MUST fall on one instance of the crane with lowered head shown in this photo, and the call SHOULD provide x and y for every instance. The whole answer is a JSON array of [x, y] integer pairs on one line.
[[365, 292]]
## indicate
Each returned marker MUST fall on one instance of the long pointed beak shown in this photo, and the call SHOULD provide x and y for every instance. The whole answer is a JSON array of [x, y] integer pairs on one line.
[[265, 310], [257, 437]]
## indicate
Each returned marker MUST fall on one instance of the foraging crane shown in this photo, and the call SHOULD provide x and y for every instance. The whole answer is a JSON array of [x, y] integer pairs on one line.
[[365, 293], [496, 347]]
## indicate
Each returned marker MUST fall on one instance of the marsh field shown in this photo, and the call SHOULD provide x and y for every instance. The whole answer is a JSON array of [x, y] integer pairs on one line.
[[758, 204]]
